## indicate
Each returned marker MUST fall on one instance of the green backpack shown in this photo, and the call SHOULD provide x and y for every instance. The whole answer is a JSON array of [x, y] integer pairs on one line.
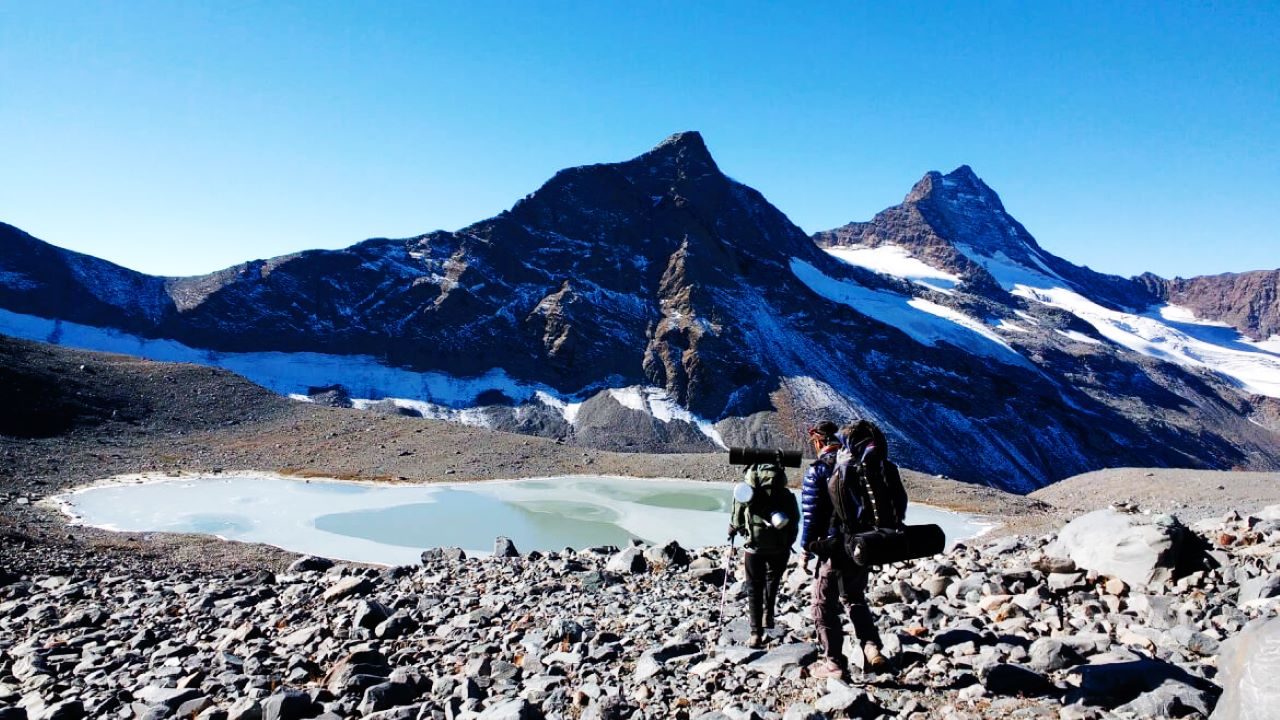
[[771, 495]]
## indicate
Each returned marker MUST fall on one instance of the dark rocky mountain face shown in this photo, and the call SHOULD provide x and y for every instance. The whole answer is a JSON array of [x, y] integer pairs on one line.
[[657, 304], [1248, 302]]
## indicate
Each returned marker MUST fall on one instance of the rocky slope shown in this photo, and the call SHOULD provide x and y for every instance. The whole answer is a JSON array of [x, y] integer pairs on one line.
[[656, 304], [1016, 627]]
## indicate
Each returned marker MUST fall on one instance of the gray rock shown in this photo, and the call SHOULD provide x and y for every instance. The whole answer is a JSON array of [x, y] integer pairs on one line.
[[399, 624], [245, 709], [339, 679], [370, 613], [778, 661], [1259, 588], [348, 586], [1171, 699], [669, 555], [628, 562], [386, 695], [310, 563], [171, 698], [802, 711], [504, 548], [1248, 665], [288, 705], [453, 554], [1049, 654], [840, 697], [1138, 549], [517, 709]]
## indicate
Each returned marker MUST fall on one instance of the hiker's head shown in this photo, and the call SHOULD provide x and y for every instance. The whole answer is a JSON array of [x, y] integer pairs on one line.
[[858, 432], [823, 435]]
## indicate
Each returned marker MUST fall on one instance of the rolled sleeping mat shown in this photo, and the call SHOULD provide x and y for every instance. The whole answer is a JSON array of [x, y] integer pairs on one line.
[[912, 542], [757, 456]]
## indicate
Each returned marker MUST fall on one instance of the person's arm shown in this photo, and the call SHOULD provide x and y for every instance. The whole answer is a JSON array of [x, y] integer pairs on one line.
[[815, 505]]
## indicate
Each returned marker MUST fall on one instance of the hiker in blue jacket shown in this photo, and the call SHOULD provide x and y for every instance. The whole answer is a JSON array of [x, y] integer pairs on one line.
[[836, 583]]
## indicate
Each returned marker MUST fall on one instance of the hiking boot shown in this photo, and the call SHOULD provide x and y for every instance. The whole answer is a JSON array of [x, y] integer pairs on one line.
[[827, 669], [757, 640], [875, 662]]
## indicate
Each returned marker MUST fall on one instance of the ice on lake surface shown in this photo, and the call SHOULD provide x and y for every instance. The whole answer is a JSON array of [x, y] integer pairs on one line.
[[392, 524]]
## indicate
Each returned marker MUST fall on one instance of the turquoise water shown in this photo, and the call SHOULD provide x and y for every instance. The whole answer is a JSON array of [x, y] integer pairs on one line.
[[392, 524]]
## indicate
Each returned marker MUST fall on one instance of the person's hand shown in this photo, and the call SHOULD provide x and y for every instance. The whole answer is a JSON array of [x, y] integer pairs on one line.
[[732, 532], [805, 559]]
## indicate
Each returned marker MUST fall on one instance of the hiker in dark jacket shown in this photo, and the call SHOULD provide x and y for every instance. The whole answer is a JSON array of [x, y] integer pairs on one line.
[[838, 581], [770, 522], [813, 491]]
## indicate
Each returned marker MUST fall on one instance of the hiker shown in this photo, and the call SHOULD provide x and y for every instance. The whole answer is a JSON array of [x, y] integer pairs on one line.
[[770, 522], [844, 457]]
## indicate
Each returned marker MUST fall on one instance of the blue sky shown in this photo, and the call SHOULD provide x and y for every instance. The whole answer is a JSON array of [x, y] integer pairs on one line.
[[179, 138]]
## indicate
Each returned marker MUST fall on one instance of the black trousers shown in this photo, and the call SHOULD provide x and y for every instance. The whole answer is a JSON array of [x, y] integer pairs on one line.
[[764, 576]]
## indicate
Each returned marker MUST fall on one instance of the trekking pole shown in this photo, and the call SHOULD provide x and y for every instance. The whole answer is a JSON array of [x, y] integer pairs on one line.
[[724, 586]]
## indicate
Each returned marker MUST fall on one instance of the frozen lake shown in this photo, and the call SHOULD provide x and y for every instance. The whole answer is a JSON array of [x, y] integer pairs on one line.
[[392, 524]]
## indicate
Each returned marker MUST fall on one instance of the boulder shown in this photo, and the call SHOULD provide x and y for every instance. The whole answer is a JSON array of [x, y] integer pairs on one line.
[[289, 705], [1248, 664], [669, 555], [1139, 549], [628, 562], [1262, 587], [346, 587], [780, 660], [517, 709], [310, 563], [504, 548]]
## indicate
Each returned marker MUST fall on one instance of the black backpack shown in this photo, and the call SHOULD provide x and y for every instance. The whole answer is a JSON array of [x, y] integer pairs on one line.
[[873, 479]]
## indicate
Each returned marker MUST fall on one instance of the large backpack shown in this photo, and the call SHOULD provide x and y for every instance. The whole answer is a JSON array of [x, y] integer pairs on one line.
[[771, 495], [872, 479]]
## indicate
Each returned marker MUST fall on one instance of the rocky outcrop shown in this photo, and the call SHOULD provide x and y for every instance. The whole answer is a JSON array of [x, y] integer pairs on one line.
[[1248, 302]]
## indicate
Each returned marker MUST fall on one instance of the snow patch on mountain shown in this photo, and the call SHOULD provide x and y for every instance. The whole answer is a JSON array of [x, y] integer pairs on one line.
[[1078, 336], [896, 261], [1009, 272], [926, 322], [659, 404], [432, 394], [1221, 349]]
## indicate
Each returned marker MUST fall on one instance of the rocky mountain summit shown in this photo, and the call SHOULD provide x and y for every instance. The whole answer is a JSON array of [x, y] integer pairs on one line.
[[658, 305], [1153, 620]]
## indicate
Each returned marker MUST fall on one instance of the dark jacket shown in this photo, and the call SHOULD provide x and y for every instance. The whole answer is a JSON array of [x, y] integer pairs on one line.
[[815, 501]]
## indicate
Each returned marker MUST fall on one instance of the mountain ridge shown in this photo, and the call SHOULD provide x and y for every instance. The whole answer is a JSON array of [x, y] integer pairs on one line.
[[657, 303]]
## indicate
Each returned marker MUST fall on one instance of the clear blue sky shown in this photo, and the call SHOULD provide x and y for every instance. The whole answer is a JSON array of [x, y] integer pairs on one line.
[[181, 137]]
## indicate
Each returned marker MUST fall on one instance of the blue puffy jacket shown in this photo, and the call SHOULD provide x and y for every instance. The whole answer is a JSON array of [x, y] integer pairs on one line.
[[815, 501]]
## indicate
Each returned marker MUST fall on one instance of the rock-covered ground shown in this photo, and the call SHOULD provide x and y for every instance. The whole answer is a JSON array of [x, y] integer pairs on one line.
[[117, 625], [1005, 628]]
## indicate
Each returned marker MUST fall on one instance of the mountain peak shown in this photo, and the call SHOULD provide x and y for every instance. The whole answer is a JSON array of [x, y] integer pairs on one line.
[[686, 149], [957, 184]]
